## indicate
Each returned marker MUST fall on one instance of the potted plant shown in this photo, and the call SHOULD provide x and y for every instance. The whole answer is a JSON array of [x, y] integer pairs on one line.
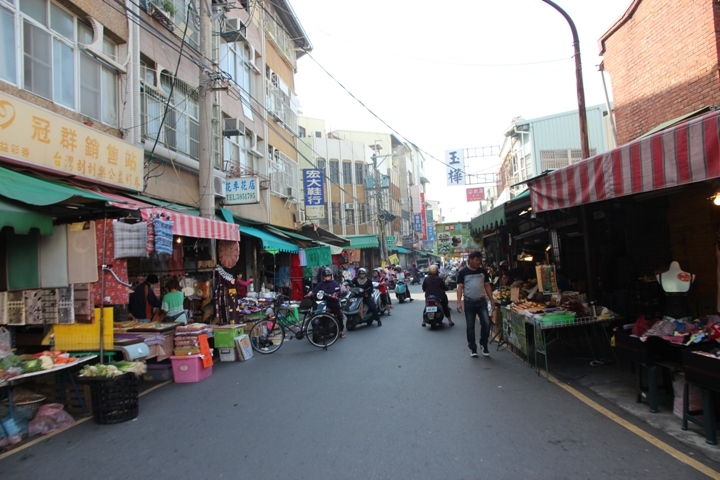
[[167, 6], [88, 121]]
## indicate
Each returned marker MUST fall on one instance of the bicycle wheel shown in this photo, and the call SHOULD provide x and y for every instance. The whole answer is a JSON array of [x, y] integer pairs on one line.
[[322, 330], [267, 336]]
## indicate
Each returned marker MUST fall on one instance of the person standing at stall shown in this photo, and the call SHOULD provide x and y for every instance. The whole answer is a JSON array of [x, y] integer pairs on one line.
[[241, 285], [173, 303], [143, 301], [474, 291]]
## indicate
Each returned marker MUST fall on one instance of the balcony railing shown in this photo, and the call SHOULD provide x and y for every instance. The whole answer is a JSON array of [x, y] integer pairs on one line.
[[278, 105], [281, 39]]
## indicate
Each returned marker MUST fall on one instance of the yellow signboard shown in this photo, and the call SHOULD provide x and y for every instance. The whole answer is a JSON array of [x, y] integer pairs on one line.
[[37, 136], [394, 259]]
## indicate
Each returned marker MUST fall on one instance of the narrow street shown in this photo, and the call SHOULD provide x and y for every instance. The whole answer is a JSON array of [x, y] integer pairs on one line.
[[397, 401]]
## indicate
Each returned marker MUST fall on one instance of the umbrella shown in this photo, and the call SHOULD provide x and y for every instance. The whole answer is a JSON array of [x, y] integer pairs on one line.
[[228, 253]]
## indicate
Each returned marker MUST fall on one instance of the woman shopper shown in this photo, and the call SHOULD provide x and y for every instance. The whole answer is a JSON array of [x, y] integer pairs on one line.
[[173, 303]]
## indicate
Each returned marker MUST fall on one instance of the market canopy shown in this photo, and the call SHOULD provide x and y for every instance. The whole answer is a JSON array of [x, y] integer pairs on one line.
[[321, 235], [184, 224], [270, 242], [397, 249], [23, 220], [359, 242], [489, 220], [36, 191], [685, 153]]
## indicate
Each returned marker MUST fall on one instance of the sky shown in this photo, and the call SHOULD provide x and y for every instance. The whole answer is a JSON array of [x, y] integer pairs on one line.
[[447, 75]]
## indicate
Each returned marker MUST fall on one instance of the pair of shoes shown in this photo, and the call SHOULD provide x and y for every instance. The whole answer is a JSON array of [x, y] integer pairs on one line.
[[473, 354], [379, 323], [342, 334], [423, 324], [451, 324], [485, 352]]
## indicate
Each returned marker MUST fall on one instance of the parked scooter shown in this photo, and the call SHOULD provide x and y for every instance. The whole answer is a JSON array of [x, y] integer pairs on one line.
[[433, 314], [352, 306], [451, 279]]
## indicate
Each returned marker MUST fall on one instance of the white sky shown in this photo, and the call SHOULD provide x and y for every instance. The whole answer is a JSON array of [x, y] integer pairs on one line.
[[448, 74]]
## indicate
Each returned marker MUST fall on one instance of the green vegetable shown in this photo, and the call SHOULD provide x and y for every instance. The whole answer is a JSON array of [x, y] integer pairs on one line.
[[9, 362], [32, 366]]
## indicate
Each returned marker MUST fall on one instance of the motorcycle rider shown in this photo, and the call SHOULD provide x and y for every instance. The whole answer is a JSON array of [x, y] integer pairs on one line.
[[400, 275], [362, 281], [434, 285], [382, 286], [331, 288]]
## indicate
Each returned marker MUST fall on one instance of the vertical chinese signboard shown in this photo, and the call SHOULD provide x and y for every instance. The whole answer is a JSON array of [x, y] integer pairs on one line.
[[430, 226], [314, 185], [455, 167], [32, 135], [474, 194], [241, 191], [423, 216]]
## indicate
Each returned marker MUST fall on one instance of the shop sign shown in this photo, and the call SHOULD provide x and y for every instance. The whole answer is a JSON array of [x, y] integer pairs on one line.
[[314, 191], [455, 167], [454, 239], [241, 190], [35, 136], [390, 240], [417, 222], [474, 194], [394, 259], [423, 216]]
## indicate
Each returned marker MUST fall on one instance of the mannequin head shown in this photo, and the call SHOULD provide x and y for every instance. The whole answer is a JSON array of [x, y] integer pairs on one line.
[[675, 280]]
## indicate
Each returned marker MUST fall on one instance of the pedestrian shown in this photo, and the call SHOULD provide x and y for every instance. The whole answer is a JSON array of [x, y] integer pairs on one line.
[[362, 281], [434, 285], [331, 287], [474, 292], [143, 301], [173, 303], [241, 285]]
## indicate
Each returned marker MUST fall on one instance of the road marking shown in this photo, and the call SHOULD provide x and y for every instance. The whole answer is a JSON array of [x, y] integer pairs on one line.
[[673, 452], [78, 422]]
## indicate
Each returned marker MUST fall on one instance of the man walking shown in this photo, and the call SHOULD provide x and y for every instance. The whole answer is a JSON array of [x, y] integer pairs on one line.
[[475, 289]]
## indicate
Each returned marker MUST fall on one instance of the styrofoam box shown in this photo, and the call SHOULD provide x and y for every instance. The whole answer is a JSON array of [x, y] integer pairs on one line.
[[228, 355], [189, 369]]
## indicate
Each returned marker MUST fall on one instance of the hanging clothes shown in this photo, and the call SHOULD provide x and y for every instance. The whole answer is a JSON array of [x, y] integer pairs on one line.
[[163, 236], [115, 279]]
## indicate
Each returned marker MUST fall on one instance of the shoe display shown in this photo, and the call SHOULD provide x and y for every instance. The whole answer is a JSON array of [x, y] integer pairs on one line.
[[485, 352], [473, 354]]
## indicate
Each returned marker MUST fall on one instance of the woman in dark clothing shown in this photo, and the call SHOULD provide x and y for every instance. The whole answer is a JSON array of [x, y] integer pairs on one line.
[[143, 301], [332, 288], [433, 284]]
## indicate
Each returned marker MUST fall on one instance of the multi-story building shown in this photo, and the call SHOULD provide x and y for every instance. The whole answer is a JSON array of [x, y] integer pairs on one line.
[[547, 143], [345, 166]]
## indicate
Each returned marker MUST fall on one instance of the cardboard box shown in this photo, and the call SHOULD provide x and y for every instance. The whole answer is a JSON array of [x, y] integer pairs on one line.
[[244, 349]]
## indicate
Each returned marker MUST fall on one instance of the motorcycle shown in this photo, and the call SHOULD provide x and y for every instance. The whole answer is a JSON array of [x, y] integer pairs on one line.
[[433, 314], [401, 291], [417, 278], [355, 310], [315, 307], [451, 279]]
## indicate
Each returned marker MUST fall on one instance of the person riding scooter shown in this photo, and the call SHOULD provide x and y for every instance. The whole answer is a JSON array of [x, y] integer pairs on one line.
[[382, 287], [332, 289], [402, 280], [362, 281], [435, 285]]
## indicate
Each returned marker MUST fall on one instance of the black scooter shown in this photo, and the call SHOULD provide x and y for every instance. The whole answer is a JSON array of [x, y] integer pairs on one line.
[[433, 314]]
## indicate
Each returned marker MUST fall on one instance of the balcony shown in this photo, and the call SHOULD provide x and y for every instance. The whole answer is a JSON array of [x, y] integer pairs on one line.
[[278, 106], [280, 39]]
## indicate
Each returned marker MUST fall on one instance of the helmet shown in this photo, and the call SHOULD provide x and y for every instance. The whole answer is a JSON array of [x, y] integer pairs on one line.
[[327, 272], [362, 270]]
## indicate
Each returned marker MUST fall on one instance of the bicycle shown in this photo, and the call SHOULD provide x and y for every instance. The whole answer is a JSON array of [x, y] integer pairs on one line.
[[320, 328]]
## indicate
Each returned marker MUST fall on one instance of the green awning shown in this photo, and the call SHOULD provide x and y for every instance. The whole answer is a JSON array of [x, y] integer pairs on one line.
[[296, 236], [23, 220], [36, 191], [227, 215], [399, 249], [363, 241], [270, 242], [489, 220]]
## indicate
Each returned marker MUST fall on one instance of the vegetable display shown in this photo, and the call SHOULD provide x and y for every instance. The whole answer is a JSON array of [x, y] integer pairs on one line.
[[113, 370]]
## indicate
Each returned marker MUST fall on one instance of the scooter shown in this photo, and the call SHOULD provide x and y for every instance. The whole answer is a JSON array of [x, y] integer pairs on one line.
[[401, 291], [352, 306], [417, 278], [451, 279], [433, 314]]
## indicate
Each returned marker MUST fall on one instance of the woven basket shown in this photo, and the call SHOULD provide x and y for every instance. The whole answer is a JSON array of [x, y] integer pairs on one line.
[[27, 409]]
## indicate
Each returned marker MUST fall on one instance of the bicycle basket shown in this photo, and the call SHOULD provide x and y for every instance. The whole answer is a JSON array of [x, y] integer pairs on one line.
[[306, 305]]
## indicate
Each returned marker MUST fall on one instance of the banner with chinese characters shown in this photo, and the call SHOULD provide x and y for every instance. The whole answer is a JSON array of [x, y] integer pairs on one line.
[[474, 194], [455, 167], [241, 190], [423, 215], [454, 239], [429, 217], [417, 222], [36, 136], [314, 189]]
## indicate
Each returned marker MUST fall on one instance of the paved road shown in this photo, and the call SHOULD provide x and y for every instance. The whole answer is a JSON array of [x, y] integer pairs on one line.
[[396, 401]]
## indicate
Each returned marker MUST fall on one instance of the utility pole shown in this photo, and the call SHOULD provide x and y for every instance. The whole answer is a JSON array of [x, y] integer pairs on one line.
[[205, 168], [379, 207]]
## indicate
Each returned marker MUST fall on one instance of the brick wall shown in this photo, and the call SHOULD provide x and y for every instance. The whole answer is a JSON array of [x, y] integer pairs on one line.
[[663, 63]]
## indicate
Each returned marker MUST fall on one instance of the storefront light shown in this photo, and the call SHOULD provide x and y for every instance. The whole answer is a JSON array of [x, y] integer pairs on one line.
[[716, 199], [178, 240]]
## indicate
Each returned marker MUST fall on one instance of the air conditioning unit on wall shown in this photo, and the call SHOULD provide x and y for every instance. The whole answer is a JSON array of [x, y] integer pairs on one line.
[[290, 192], [219, 186], [233, 30], [233, 127], [349, 206]]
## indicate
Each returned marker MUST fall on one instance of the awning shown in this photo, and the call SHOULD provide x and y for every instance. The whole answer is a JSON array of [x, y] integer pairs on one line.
[[321, 235], [685, 153], [184, 224], [270, 242], [401, 250], [489, 220], [36, 191], [359, 242], [23, 220], [296, 236]]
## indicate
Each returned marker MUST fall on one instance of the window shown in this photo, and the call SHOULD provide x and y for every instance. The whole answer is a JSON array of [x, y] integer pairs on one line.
[[349, 217], [334, 172], [53, 64], [284, 180], [318, 134], [236, 154], [321, 165], [359, 173], [280, 102], [347, 172], [301, 132], [235, 60], [336, 213]]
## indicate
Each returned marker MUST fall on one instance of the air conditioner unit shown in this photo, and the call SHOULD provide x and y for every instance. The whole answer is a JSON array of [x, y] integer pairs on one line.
[[233, 30], [219, 186], [301, 216], [402, 201], [233, 127], [290, 192], [349, 206]]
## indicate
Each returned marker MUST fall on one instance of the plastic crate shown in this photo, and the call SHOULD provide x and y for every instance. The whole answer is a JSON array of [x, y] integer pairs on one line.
[[158, 373], [225, 337], [189, 369], [114, 400]]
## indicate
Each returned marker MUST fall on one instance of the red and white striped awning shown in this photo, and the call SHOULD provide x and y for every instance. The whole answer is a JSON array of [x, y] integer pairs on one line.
[[184, 224], [686, 153]]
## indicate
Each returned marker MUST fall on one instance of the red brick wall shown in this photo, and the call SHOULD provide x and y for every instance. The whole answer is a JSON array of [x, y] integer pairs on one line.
[[663, 63]]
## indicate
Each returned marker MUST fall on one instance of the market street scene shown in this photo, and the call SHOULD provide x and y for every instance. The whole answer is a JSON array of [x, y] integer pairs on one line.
[[322, 239]]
